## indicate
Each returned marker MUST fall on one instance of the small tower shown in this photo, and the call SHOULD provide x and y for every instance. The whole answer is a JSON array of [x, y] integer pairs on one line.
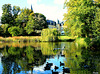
[[31, 7], [58, 21]]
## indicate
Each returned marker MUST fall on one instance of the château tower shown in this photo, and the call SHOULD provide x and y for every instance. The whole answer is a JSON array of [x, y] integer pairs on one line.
[[31, 7]]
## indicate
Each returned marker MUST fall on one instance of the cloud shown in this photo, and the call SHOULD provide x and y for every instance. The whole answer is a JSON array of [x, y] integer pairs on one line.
[[59, 2], [0, 13], [33, 1], [51, 12]]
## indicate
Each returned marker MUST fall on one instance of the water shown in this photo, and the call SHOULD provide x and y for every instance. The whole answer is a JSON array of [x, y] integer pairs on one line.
[[28, 58]]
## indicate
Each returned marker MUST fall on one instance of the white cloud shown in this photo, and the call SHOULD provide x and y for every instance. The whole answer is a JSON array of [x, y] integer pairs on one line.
[[59, 1], [51, 12], [0, 13], [48, 11], [33, 1]]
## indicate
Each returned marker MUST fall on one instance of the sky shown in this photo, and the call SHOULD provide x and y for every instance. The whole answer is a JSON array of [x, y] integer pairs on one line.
[[52, 9]]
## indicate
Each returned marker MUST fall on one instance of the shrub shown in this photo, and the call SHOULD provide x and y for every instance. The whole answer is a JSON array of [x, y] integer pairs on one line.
[[49, 35], [14, 31], [95, 44]]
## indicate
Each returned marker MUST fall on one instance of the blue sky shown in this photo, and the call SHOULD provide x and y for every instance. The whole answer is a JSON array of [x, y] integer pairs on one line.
[[52, 9]]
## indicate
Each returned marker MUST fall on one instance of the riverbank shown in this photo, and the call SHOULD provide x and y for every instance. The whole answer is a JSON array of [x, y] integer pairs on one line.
[[21, 39], [32, 39], [66, 38]]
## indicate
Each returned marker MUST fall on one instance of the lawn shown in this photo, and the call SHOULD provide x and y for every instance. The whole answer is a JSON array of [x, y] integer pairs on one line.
[[65, 38]]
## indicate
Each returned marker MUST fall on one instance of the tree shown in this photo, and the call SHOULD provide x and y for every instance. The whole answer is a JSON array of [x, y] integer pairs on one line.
[[1, 31], [15, 11], [80, 17], [14, 31], [96, 25], [9, 14], [4, 29], [22, 18], [36, 21], [49, 35], [30, 24], [41, 21], [6, 17]]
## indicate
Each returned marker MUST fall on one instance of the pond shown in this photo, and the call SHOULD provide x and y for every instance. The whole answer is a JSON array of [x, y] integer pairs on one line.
[[48, 57]]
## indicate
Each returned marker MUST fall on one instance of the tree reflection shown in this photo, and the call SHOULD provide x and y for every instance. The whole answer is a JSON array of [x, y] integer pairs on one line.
[[17, 59], [47, 48], [81, 60]]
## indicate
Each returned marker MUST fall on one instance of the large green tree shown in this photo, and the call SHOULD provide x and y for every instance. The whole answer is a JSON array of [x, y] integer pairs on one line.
[[81, 17], [22, 18], [36, 21], [6, 17], [9, 14]]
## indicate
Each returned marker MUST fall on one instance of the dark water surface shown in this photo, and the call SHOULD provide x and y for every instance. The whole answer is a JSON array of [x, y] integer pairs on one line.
[[32, 58]]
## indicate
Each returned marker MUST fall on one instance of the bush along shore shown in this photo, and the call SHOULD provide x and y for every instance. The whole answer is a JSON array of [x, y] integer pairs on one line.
[[47, 35], [32, 39]]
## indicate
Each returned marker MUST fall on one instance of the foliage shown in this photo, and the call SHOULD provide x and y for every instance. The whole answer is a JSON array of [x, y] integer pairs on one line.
[[30, 24], [41, 20], [49, 35], [25, 19], [82, 42], [14, 31], [81, 17], [96, 25], [95, 44], [0, 31], [6, 15], [36, 21], [9, 14], [22, 18], [67, 31], [4, 29]]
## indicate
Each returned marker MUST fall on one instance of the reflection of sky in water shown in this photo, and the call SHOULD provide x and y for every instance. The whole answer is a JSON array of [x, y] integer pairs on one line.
[[1, 68], [55, 61], [40, 69]]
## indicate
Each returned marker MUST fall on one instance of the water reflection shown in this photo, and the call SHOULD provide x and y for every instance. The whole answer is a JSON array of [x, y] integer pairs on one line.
[[33, 58], [17, 59], [81, 60]]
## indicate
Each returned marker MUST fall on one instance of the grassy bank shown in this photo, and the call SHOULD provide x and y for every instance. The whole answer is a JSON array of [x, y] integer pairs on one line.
[[32, 39], [66, 38], [21, 39]]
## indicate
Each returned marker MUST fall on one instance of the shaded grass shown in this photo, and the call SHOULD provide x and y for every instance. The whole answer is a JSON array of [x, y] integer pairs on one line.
[[66, 38]]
